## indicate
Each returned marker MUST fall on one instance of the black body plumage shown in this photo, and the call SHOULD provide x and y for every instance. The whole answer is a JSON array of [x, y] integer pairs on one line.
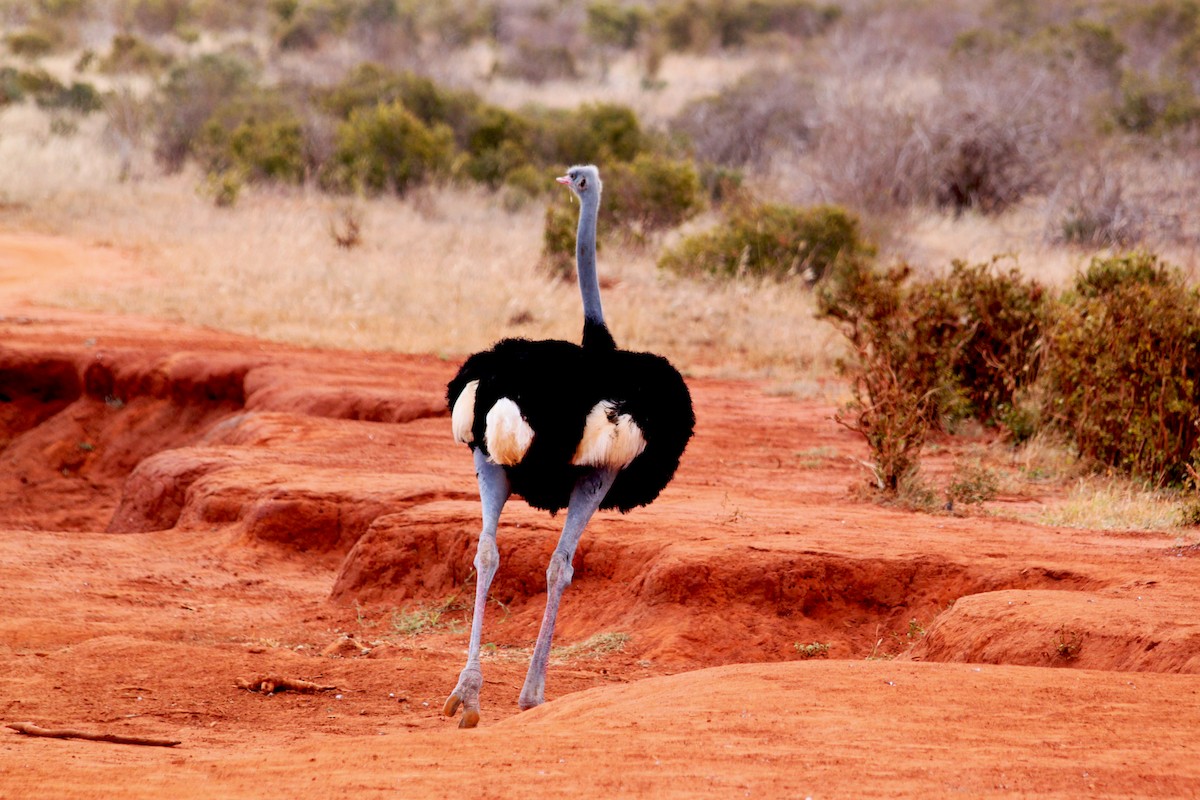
[[556, 384]]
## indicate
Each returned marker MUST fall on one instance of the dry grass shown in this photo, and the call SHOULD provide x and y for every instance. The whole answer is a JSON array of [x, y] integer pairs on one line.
[[447, 270], [1115, 504]]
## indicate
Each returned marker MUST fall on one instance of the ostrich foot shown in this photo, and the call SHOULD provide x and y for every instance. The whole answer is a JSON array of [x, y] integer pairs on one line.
[[465, 694], [533, 694]]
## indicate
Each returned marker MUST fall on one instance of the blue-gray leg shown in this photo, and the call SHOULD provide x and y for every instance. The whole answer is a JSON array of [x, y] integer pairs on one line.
[[493, 493], [585, 499]]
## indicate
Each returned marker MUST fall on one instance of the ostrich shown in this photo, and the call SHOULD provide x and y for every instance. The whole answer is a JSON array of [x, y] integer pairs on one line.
[[580, 427]]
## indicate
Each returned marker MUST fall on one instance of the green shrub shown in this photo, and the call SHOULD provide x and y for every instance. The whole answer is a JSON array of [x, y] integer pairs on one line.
[[738, 22], [11, 89], [131, 54], [650, 194], [61, 9], [1148, 105], [498, 144], [191, 95], [598, 133], [1123, 367], [922, 353], [30, 44], [284, 9], [459, 23], [369, 85], [224, 187], [304, 25], [528, 181], [38, 82], [615, 25], [47, 91], [259, 136], [703, 24], [775, 241], [1001, 315], [79, 97], [558, 240], [387, 148]]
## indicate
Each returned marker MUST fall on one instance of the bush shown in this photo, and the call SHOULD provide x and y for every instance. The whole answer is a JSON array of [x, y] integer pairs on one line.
[[304, 25], [191, 95], [47, 91], [922, 353], [258, 137], [79, 97], [558, 241], [36, 82], [898, 365], [1123, 367], [369, 85], [387, 148], [498, 144], [1000, 315], [1150, 105], [774, 241], [650, 194], [11, 90], [131, 54], [224, 187], [599, 133], [738, 22], [30, 44], [615, 26], [698, 25]]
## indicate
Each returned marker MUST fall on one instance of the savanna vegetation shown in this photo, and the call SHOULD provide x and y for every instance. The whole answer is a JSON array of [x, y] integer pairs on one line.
[[952, 212]]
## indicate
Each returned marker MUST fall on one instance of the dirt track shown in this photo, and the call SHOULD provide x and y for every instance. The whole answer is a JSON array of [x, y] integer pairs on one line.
[[182, 509]]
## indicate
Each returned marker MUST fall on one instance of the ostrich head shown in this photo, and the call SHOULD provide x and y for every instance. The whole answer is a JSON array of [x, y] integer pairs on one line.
[[584, 181]]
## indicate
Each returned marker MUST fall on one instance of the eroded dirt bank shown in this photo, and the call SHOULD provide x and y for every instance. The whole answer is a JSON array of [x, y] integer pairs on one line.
[[181, 509]]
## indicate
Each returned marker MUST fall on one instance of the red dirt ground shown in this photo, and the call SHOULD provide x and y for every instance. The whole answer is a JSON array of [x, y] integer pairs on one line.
[[181, 509]]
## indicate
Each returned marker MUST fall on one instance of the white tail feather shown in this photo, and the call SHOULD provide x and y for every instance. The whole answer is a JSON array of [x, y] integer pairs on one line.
[[609, 439], [508, 434], [462, 418]]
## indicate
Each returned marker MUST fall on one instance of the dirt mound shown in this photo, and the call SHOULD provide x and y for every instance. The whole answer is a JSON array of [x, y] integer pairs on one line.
[[1090, 630]]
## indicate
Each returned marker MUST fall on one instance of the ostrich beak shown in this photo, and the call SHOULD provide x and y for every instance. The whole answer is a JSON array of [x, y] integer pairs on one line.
[[564, 180]]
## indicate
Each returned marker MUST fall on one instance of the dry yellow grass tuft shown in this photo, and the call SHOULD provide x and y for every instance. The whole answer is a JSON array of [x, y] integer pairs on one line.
[[1115, 504]]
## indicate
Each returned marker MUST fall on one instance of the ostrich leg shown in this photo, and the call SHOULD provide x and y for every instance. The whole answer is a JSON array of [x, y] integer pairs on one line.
[[585, 499], [493, 493]]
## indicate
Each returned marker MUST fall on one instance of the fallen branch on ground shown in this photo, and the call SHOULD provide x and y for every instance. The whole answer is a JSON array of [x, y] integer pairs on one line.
[[29, 729], [269, 684]]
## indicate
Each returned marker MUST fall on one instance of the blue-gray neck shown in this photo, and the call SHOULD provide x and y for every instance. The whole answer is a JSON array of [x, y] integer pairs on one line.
[[594, 330]]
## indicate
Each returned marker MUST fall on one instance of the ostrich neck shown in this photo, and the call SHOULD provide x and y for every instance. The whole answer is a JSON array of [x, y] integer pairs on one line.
[[585, 260]]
